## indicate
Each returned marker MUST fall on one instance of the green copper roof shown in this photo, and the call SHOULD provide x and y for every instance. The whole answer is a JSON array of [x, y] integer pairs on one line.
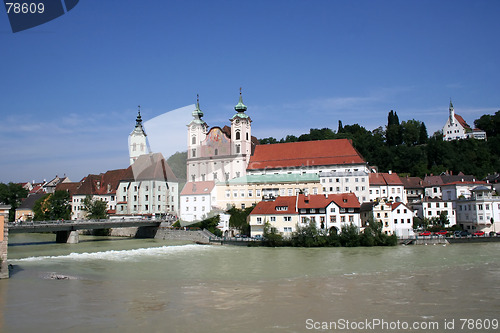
[[240, 107], [197, 113], [276, 179]]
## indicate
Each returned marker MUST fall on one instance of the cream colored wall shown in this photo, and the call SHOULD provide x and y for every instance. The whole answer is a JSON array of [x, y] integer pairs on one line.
[[223, 201]]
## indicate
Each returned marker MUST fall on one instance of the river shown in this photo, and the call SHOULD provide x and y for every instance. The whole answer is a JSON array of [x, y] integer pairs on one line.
[[147, 285]]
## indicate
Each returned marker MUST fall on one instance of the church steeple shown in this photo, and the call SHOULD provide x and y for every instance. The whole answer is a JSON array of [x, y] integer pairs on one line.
[[198, 114], [452, 113], [240, 108], [137, 142]]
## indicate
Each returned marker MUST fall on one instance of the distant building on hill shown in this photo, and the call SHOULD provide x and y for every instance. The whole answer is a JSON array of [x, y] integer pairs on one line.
[[456, 128]]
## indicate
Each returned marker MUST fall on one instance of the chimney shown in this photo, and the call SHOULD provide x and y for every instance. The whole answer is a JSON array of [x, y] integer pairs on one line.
[[390, 172]]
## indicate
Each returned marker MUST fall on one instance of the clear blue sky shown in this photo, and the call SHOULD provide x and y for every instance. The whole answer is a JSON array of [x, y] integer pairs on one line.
[[70, 88]]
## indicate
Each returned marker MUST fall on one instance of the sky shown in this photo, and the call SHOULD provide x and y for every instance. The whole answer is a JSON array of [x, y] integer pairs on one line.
[[70, 88]]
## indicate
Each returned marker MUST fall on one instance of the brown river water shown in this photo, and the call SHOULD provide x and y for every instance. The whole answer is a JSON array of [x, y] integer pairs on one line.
[[132, 285]]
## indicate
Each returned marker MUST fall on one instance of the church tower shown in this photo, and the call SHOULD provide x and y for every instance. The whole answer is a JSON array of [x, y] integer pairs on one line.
[[137, 142], [241, 131], [197, 131], [452, 113]]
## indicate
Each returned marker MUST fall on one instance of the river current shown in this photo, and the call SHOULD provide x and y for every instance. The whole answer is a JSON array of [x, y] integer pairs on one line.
[[132, 285]]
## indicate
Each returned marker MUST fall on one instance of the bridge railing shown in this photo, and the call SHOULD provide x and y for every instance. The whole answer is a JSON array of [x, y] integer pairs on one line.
[[58, 222]]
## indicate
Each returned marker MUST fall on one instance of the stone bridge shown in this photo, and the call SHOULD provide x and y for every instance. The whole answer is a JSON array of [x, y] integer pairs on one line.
[[67, 231]]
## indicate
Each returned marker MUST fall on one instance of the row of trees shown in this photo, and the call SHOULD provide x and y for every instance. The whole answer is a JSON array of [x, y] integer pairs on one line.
[[405, 147], [311, 236]]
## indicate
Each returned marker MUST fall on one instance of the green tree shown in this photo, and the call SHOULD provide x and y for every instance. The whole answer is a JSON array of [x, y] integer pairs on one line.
[[239, 219], [54, 206], [349, 236], [271, 236], [95, 208], [11, 194]]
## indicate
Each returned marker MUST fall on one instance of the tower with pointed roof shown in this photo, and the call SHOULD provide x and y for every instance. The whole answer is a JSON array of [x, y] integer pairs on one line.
[[452, 113], [197, 131], [137, 141], [241, 131]]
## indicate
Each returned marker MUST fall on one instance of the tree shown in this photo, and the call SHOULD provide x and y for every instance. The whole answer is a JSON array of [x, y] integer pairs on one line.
[[271, 236], [11, 194], [341, 128], [393, 130], [54, 206], [95, 208], [238, 219]]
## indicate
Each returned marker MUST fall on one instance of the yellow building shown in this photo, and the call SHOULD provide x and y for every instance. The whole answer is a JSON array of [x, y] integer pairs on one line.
[[249, 190]]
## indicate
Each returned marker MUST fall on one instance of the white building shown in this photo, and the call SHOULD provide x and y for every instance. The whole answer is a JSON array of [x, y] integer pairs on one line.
[[327, 212], [479, 212], [387, 187], [148, 188], [196, 200], [396, 218], [456, 128], [356, 182], [433, 207]]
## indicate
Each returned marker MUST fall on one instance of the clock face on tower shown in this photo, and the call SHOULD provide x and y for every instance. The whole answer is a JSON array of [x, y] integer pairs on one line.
[[237, 121]]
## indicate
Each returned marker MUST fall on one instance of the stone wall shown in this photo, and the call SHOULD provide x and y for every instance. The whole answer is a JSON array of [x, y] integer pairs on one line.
[[4, 240], [162, 233]]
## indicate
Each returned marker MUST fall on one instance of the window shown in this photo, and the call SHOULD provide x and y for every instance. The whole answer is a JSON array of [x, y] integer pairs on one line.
[[147, 197], [287, 229], [287, 218], [342, 219], [313, 210], [238, 149], [332, 210], [395, 221], [333, 218], [304, 220], [257, 193], [193, 152], [273, 218], [235, 194], [135, 197], [351, 218], [215, 175], [135, 188], [228, 193], [259, 220], [429, 205], [250, 193], [238, 135]]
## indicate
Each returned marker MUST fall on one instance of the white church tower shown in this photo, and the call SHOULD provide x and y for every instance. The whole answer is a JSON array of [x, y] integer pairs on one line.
[[137, 142], [197, 131], [241, 132]]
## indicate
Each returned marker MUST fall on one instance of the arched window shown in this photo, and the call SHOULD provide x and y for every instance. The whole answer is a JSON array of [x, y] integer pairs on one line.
[[238, 135], [134, 147], [193, 140], [216, 152], [247, 136], [238, 149]]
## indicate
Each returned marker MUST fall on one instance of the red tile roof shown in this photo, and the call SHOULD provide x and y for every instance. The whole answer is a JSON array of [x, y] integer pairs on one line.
[[461, 121], [383, 179], [69, 187], [198, 188], [104, 183], [269, 207], [412, 182], [307, 153], [343, 200]]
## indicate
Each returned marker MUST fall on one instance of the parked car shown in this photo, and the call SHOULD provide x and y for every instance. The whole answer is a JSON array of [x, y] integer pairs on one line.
[[441, 233], [462, 233], [478, 234], [492, 234], [425, 233], [257, 237]]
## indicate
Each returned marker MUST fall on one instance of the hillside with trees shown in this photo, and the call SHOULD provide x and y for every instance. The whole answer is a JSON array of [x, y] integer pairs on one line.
[[404, 147]]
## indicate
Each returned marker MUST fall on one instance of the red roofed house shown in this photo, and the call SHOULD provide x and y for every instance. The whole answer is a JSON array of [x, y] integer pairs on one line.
[[457, 128], [196, 200], [387, 186], [328, 212], [100, 187]]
